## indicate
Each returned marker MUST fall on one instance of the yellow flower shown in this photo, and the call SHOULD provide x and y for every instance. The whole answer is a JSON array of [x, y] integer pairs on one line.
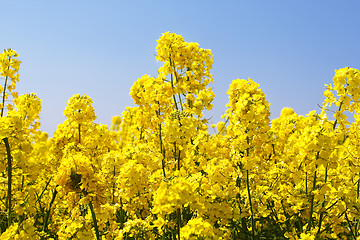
[[79, 109]]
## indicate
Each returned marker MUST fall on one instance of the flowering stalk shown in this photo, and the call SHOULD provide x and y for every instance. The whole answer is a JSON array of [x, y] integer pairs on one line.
[[336, 120], [323, 204], [79, 134], [251, 207], [5, 85], [94, 221], [9, 169], [178, 215], [325, 180], [162, 150], [358, 188], [178, 211], [350, 226], [312, 204], [8, 153], [48, 211], [113, 188], [172, 85]]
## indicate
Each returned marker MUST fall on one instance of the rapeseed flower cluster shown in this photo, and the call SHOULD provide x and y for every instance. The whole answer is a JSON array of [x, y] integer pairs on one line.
[[158, 173]]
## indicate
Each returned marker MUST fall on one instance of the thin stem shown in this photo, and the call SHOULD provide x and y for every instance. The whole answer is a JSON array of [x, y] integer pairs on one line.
[[3, 98], [357, 197], [42, 192], [113, 189], [172, 82], [227, 120], [335, 122], [177, 157], [22, 183], [311, 204], [178, 212], [251, 208], [358, 188], [238, 196], [4, 91], [172, 85], [350, 226], [178, 215], [49, 209], [94, 221], [176, 79], [9, 170], [162, 151], [323, 204], [79, 134], [273, 213], [306, 184], [181, 105]]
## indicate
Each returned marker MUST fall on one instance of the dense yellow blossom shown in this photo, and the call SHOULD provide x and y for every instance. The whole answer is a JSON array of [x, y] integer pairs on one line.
[[158, 172], [79, 109]]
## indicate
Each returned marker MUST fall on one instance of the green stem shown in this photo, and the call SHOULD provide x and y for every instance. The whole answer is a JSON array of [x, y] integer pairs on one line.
[[172, 83], [42, 192], [323, 204], [49, 209], [113, 189], [251, 208], [176, 79], [162, 151], [350, 226], [79, 134], [357, 197], [181, 105], [179, 160], [178, 215], [311, 204], [22, 183], [306, 184], [243, 219], [334, 126], [9, 169], [358, 188], [178, 211], [222, 128], [177, 157], [94, 221], [3, 99], [4, 91], [274, 217]]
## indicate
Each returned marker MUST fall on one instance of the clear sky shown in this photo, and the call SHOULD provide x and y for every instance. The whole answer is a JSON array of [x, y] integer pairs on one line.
[[291, 48]]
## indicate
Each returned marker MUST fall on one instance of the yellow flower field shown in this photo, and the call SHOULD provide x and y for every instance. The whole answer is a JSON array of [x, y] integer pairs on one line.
[[157, 172]]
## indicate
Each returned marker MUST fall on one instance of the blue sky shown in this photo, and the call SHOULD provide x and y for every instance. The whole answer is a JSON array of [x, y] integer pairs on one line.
[[291, 48]]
